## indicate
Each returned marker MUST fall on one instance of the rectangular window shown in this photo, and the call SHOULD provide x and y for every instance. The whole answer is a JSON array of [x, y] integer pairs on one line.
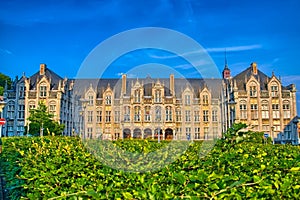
[[196, 116], [137, 96], [11, 111], [99, 116], [43, 91], [52, 109], [265, 111], [117, 116], [214, 115], [157, 114], [137, 114], [108, 100], [168, 114], [187, 100], [187, 115], [253, 91], [157, 96], [275, 108], [126, 114], [147, 113], [108, 116], [22, 91], [178, 115], [286, 111], [21, 111], [274, 91], [265, 127], [288, 131], [90, 116], [243, 111], [197, 133], [206, 133], [254, 111], [91, 100], [205, 115], [276, 128], [205, 99], [188, 132], [89, 132]]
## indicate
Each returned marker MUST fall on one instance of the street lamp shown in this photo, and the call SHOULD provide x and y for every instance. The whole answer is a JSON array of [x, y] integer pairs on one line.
[[83, 105], [42, 130], [232, 104], [272, 128]]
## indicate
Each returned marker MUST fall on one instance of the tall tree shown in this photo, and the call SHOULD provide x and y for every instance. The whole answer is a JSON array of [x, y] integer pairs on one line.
[[3, 79], [40, 118]]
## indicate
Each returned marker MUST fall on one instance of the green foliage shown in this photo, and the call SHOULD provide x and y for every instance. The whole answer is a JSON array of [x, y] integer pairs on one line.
[[61, 168], [41, 118], [3, 80], [236, 134]]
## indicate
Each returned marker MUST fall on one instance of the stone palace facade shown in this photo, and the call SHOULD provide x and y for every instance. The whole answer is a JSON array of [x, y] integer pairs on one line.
[[169, 108]]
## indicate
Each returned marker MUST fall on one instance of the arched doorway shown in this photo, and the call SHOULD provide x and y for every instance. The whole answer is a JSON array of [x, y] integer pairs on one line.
[[168, 134], [126, 133], [158, 132], [147, 133], [137, 133]]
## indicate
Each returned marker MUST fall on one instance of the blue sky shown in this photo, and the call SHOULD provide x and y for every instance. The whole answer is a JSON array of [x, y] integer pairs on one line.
[[62, 33]]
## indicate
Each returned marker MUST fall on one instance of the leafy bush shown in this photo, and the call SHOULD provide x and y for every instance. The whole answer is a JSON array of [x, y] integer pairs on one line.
[[61, 168]]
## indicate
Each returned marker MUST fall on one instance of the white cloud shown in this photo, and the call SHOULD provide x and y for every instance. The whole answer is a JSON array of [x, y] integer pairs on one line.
[[234, 48], [5, 51], [291, 78], [190, 66], [211, 50], [127, 75]]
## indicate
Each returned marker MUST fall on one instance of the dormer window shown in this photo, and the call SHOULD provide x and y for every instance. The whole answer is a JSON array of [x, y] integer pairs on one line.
[[274, 90], [157, 97], [91, 100], [253, 91], [43, 90], [205, 99], [108, 100], [187, 100], [137, 96], [21, 91]]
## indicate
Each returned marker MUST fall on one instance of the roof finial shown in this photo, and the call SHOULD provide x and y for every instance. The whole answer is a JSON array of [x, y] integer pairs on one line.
[[226, 64]]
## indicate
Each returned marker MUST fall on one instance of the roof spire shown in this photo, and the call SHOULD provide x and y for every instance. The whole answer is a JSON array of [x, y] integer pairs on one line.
[[226, 64], [226, 71]]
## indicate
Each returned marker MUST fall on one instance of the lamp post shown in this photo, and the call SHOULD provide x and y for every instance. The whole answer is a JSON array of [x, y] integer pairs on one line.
[[122, 129], [42, 130], [83, 105], [232, 104], [272, 128]]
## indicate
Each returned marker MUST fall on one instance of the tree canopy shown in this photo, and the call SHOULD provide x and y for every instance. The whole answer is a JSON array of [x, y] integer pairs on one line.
[[40, 118], [3, 79]]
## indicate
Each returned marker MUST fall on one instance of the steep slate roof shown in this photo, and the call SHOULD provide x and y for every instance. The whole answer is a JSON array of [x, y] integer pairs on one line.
[[50, 75], [243, 77], [213, 85]]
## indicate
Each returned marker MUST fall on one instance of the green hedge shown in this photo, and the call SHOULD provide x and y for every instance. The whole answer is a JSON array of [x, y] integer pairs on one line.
[[61, 168]]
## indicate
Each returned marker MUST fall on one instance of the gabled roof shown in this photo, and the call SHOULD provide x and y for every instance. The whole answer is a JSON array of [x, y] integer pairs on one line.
[[50, 75], [243, 77], [196, 85]]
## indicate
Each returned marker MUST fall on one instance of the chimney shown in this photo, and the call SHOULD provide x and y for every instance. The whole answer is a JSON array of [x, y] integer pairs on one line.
[[254, 68], [123, 84], [42, 69], [172, 84]]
